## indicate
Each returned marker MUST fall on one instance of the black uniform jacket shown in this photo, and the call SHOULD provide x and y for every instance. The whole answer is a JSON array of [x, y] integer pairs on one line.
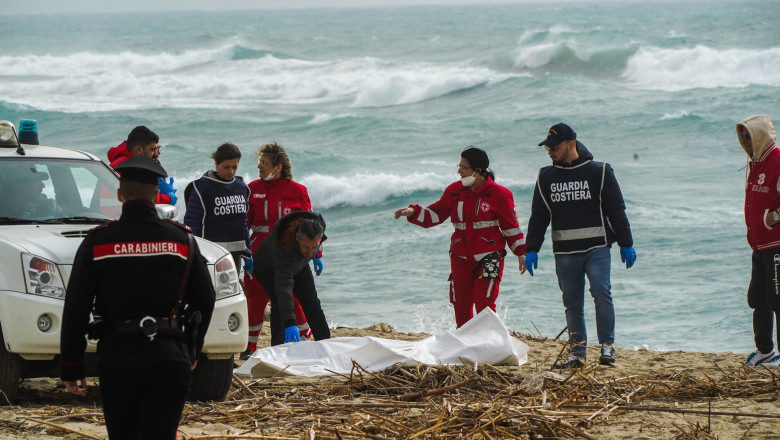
[[584, 204], [127, 270], [279, 257]]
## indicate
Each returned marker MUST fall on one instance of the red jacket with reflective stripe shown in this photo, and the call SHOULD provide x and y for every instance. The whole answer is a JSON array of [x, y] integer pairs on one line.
[[485, 220], [271, 200]]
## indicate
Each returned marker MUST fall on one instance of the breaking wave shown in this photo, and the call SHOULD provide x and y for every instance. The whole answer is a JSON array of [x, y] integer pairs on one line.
[[231, 76]]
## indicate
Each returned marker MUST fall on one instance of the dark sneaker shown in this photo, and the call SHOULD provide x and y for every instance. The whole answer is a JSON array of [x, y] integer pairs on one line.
[[246, 354], [607, 354], [571, 363], [757, 358]]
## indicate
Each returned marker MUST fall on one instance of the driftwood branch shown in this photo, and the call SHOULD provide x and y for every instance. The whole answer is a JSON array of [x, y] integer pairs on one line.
[[417, 395], [54, 425]]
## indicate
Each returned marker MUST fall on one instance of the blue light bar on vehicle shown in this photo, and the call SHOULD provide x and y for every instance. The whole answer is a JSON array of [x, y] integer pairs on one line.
[[28, 131]]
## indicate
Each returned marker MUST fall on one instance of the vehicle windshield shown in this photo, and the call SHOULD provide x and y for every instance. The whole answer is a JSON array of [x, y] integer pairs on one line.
[[34, 190]]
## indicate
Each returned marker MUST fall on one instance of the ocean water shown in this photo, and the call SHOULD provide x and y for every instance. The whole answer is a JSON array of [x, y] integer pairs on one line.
[[375, 105]]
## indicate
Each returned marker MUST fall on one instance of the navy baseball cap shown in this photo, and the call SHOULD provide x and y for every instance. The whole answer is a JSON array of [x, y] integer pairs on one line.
[[558, 133], [140, 169]]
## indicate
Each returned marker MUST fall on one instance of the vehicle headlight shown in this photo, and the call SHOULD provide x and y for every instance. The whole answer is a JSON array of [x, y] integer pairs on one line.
[[226, 277], [42, 277]]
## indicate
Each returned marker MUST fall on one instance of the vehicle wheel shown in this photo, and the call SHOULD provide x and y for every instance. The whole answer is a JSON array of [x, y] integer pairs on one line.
[[212, 379], [10, 373]]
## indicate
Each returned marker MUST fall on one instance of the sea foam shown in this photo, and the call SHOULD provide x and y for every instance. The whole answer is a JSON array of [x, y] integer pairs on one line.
[[368, 189], [218, 78], [702, 66], [364, 189]]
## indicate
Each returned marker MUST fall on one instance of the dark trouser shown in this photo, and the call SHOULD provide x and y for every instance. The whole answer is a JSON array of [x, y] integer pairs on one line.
[[764, 297], [238, 260], [307, 296], [145, 402]]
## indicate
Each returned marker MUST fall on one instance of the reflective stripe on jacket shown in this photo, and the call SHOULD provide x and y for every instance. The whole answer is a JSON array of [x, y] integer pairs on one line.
[[484, 220]]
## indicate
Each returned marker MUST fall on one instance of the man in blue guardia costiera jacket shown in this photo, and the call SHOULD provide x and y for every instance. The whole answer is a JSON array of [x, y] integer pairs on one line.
[[582, 201]]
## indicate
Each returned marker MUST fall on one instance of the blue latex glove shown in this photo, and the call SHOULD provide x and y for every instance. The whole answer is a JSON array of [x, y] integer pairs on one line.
[[531, 261], [249, 264], [292, 334], [173, 198], [166, 187], [317, 265], [628, 256]]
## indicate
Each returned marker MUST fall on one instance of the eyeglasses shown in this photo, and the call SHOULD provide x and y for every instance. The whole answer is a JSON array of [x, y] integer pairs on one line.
[[264, 163], [553, 149], [461, 167]]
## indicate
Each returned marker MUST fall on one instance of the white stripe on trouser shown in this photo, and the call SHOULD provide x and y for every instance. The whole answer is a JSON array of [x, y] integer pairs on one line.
[[490, 287], [256, 328], [777, 281], [252, 339], [303, 326]]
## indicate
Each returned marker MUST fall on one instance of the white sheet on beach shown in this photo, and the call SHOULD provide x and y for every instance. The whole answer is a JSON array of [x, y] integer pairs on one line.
[[482, 340]]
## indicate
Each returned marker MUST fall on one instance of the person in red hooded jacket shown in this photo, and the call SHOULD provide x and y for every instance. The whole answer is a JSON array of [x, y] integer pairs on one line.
[[271, 197], [485, 221], [757, 136], [143, 142]]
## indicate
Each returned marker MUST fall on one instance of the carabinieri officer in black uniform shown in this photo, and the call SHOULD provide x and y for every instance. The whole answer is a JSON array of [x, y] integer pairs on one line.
[[138, 273]]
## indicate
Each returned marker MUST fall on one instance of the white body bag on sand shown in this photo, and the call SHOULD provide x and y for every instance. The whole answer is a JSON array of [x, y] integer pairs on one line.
[[482, 340]]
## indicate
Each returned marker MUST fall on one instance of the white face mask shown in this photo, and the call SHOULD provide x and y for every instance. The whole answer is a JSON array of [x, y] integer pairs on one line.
[[468, 180], [270, 176]]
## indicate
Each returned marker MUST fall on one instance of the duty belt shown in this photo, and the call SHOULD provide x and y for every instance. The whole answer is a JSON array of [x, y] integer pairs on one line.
[[148, 325]]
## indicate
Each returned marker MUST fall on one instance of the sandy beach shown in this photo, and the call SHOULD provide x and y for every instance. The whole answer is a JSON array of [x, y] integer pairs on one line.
[[645, 395]]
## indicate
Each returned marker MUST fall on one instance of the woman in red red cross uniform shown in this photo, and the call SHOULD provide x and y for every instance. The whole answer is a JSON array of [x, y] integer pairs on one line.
[[483, 215]]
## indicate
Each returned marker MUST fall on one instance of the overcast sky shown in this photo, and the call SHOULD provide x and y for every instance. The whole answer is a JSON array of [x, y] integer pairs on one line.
[[59, 6]]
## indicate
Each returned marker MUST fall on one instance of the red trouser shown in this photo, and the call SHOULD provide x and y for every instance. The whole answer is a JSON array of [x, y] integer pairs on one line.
[[256, 302], [467, 291]]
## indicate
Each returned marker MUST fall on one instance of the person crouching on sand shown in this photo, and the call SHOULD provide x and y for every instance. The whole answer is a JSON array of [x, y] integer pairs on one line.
[[282, 267]]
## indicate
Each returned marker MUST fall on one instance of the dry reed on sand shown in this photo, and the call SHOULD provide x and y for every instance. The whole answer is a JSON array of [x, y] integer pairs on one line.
[[443, 402]]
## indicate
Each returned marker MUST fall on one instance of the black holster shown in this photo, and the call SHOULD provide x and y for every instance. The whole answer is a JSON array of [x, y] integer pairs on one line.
[[191, 333]]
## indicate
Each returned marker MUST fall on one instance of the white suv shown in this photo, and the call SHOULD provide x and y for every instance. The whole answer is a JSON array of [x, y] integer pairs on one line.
[[49, 198]]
